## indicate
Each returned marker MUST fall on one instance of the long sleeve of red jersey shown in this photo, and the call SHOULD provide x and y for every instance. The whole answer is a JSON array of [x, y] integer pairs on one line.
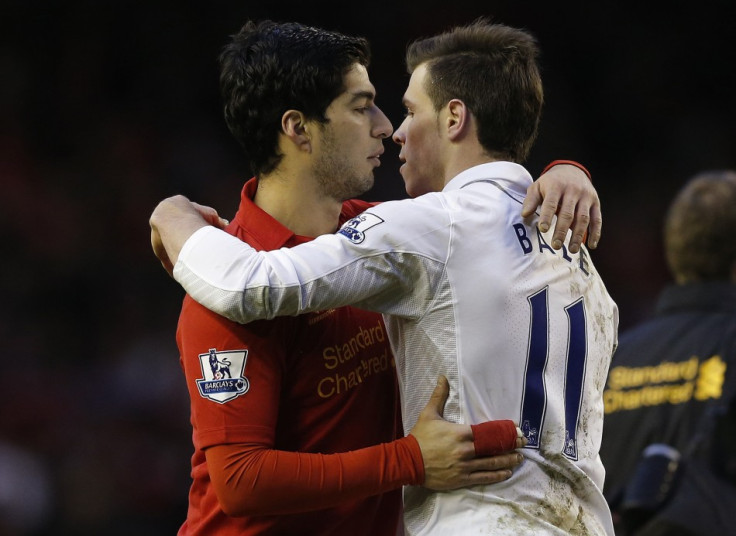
[[253, 480]]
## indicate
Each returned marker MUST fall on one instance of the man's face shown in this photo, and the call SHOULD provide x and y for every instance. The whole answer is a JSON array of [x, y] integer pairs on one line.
[[420, 139], [349, 146]]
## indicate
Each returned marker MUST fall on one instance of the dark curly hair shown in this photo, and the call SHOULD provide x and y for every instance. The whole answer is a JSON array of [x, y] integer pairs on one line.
[[268, 68]]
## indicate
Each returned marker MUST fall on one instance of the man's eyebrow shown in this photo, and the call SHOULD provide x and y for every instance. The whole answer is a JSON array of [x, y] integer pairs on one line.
[[370, 95]]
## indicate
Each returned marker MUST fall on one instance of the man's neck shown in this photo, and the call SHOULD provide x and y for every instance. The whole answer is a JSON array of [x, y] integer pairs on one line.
[[298, 204], [465, 156]]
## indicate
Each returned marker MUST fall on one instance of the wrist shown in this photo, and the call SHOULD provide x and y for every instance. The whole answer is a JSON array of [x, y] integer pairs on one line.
[[417, 460], [578, 165]]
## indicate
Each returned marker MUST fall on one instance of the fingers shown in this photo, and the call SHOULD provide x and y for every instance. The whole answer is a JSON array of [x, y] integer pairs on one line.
[[492, 469], [579, 228], [435, 408], [567, 192], [210, 215], [531, 201], [571, 209], [494, 437], [584, 220], [499, 462], [450, 457], [596, 226], [550, 207], [565, 219]]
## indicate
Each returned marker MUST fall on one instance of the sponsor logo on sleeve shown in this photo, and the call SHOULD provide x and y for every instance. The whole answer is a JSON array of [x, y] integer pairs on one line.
[[355, 229], [222, 375]]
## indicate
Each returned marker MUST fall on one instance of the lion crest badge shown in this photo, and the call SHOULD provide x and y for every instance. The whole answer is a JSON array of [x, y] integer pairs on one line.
[[222, 375], [355, 229]]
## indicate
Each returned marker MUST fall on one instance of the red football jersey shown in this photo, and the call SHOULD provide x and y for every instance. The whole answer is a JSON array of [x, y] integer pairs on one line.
[[322, 382]]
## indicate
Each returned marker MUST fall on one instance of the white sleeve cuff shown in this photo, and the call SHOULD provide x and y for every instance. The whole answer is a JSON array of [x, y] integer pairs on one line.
[[204, 255]]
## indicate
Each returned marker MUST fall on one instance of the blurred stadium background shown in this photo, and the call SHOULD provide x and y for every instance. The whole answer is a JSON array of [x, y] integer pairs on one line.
[[107, 107]]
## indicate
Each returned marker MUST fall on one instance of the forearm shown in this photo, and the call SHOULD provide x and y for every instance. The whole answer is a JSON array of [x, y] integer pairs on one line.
[[252, 480], [232, 279]]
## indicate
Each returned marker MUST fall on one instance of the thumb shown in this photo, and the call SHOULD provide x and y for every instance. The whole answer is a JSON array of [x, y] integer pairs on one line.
[[436, 404]]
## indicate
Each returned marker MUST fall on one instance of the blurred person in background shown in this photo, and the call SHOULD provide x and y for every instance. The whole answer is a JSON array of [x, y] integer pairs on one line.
[[669, 442]]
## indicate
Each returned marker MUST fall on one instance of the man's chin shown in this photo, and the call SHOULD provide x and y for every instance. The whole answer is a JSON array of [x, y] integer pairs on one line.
[[409, 185], [361, 187]]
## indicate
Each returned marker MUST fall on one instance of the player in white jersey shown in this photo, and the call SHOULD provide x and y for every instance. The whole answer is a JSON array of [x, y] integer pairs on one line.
[[470, 290]]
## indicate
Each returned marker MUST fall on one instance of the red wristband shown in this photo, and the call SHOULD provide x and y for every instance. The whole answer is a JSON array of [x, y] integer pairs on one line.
[[493, 437], [578, 165]]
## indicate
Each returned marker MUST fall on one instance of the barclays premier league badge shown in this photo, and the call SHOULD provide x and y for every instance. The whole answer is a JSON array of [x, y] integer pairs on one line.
[[355, 229], [222, 375]]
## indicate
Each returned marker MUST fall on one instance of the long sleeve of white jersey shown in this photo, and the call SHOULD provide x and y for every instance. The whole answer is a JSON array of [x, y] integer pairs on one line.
[[373, 262]]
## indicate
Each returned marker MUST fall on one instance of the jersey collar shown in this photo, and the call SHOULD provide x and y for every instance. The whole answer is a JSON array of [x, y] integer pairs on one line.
[[509, 174], [261, 226]]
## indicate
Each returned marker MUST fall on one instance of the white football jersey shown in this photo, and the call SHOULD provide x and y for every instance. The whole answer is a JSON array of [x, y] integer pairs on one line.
[[471, 291]]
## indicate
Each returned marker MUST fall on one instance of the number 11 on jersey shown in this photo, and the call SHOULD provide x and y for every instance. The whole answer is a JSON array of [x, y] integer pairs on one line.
[[534, 400]]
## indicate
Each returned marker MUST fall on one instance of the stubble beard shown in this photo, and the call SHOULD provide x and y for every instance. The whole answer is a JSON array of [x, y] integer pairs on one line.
[[335, 174]]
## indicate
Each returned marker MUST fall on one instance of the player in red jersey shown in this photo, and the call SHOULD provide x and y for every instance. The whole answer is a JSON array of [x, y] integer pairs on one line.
[[296, 424]]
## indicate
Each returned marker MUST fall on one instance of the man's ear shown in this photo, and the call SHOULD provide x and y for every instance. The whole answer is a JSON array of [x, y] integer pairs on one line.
[[458, 120], [294, 127]]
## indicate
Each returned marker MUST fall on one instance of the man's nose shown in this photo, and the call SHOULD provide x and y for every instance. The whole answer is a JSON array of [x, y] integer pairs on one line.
[[383, 127], [398, 137]]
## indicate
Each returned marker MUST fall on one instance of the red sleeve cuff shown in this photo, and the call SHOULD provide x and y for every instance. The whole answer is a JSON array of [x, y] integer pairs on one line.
[[494, 437], [415, 457], [570, 162]]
